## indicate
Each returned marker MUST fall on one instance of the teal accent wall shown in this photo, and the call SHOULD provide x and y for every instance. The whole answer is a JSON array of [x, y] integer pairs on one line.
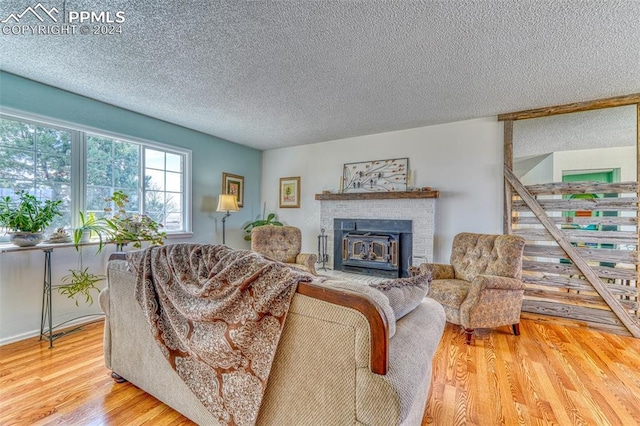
[[211, 156]]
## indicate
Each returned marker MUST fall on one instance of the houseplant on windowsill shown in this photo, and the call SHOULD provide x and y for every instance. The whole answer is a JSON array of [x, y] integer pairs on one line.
[[91, 225], [26, 219], [120, 228], [132, 228]]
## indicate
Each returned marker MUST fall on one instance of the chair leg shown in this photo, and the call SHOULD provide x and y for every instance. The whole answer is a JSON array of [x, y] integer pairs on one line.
[[516, 329], [118, 378], [468, 333]]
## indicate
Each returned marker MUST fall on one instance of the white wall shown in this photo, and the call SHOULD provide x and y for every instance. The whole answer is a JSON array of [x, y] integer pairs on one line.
[[552, 168], [541, 173], [623, 158], [462, 160]]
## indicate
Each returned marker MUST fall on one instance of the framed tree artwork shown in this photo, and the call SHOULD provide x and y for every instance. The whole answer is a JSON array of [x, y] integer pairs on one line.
[[290, 192], [233, 184], [376, 176]]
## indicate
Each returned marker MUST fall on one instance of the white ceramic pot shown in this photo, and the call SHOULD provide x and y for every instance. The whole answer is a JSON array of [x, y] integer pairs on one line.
[[86, 237], [25, 239]]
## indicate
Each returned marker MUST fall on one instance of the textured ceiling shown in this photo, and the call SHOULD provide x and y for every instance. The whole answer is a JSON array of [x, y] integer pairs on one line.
[[603, 128], [279, 73]]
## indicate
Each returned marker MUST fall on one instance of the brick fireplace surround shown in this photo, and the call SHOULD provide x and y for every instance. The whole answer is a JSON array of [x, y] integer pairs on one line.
[[418, 206]]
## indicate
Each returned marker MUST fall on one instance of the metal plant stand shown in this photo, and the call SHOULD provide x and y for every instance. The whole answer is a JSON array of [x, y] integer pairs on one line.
[[46, 318]]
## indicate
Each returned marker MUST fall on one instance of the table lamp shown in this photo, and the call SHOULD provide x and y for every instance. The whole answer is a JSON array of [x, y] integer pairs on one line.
[[227, 203]]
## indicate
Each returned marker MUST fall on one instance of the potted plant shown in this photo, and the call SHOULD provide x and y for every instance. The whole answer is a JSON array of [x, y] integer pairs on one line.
[[80, 282], [92, 225], [120, 228], [26, 219], [132, 228], [270, 220]]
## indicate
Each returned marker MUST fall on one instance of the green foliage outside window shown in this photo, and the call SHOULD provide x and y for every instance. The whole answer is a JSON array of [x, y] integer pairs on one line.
[[36, 158]]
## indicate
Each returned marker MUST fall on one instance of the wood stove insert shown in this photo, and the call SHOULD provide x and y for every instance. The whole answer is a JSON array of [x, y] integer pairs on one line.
[[378, 247]]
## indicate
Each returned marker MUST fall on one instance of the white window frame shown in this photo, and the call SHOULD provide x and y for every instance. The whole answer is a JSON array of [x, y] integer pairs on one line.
[[78, 162]]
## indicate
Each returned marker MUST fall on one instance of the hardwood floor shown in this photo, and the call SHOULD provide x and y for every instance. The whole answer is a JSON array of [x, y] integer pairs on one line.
[[550, 374]]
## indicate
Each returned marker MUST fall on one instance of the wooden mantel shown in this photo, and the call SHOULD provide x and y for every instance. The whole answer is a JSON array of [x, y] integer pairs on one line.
[[377, 195]]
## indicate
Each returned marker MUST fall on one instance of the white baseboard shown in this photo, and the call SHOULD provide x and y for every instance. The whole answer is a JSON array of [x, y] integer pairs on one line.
[[36, 333]]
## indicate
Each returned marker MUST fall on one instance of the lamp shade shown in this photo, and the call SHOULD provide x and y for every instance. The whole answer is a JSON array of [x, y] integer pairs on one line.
[[228, 203]]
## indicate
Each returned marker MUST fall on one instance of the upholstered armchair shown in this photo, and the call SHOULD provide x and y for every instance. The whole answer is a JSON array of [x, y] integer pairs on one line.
[[481, 287], [283, 243]]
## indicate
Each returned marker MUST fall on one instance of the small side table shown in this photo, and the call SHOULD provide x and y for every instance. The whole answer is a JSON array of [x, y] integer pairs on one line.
[[46, 317]]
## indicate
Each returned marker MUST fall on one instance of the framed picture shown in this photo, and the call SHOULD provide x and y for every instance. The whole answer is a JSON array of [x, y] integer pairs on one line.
[[233, 184], [376, 176], [290, 192]]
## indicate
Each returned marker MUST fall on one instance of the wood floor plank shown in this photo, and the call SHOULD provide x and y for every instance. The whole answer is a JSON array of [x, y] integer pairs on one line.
[[557, 408], [616, 380], [592, 377], [551, 374]]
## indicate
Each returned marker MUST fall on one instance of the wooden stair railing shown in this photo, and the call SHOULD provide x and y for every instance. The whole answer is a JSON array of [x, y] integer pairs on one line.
[[573, 254]]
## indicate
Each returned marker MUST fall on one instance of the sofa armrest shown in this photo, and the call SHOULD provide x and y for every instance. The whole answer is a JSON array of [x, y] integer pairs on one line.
[[309, 260], [373, 313], [119, 255], [439, 271], [104, 302]]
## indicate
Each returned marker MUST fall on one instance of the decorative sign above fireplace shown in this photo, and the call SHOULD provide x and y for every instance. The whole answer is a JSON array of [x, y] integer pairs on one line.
[[379, 247], [375, 176]]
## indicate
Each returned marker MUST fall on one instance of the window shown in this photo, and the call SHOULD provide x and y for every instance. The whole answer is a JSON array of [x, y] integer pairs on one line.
[[164, 176], [36, 159], [112, 164], [39, 158]]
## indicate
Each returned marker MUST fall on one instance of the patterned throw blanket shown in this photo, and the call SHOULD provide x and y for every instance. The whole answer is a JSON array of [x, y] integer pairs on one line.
[[217, 315]]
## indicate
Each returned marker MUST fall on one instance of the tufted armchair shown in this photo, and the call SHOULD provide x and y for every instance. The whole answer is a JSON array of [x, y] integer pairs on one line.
[[481, 287], [283, 243]]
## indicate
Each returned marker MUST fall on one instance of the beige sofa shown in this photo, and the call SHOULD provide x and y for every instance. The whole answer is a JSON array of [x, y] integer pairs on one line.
[[335, 364]]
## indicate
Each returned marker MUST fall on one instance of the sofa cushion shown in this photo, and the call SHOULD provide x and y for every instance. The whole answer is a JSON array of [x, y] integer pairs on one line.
[[405, 294]]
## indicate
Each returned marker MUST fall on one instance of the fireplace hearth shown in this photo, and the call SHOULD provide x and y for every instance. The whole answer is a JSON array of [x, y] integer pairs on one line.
[[379, 247]]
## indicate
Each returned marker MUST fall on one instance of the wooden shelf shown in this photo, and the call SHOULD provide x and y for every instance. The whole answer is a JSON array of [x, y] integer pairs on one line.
[[377, 195]]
